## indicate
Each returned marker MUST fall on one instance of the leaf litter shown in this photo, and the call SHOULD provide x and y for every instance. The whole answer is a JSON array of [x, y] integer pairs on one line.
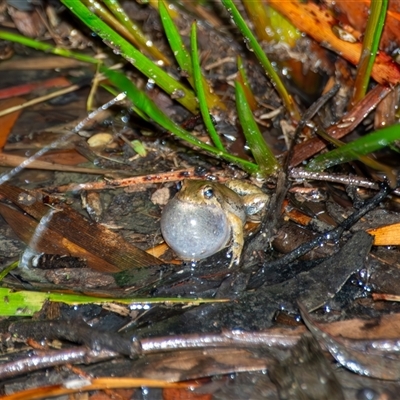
[[259, 328]]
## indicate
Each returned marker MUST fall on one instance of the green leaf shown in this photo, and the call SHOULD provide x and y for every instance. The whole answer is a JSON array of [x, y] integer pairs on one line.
[[372, 37], [198, 83], [183, 58], [136, 33], [259, 52], [175, 41], [369, 161], [131, 54], [48, 48], [262, 153], [25, 303], [360, 147], [139, 148], [115, 93], [269, 25], [147, 106], [242, 78]]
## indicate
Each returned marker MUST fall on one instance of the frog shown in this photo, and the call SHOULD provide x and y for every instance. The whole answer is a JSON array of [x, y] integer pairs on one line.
[[205, 216]]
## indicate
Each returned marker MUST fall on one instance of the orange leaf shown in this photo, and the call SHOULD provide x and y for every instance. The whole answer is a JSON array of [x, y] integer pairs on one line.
[[7, 121], [388, 235], [356, 13], [318, 23]]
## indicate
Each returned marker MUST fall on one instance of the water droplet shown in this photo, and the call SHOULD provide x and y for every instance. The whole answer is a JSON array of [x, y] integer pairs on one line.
[[177, 94], [150, 84]]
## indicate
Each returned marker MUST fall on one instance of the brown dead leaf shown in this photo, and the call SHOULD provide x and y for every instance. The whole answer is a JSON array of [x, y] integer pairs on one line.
[[43, 63], [348, 123], [184, 394], [192, 364], [112, 394], [67, 232], [28, 23], [372, 364], [386, 326], [49, 241], [64, 157], [92, 385], [12, 160], [26, 88], [295, 215]]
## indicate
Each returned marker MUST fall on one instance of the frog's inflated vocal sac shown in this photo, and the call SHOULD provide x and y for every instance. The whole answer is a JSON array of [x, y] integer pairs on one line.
[[204, 217]]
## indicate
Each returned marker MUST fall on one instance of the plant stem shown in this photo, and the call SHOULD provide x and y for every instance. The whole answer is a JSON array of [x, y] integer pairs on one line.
[[373, 32]]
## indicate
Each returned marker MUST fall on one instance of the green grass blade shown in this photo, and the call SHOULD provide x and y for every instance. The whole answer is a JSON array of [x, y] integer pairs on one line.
[[198, 83], [279, 28], [360, 147], [48, 48], [142, 102], [269, 25], [372, 37], [130, 53], [175, 41], [261, 152], [8, 269], [183, 57], [242, 78], [143, 42], [256, 11], [369, 161], [23, 303], [258, 51]]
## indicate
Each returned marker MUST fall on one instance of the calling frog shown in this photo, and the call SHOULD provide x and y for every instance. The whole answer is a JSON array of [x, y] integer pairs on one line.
[[205, 217]]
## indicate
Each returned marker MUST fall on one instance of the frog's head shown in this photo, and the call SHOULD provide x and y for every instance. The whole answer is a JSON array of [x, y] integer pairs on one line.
[[198, 192]]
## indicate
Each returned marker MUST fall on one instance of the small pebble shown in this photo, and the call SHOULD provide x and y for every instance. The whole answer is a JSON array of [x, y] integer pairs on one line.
[[100, 140], [161, 196]]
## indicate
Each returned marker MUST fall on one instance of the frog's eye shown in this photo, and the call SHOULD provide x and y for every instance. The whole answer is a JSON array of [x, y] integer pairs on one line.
[[208, 193], [179, 185]]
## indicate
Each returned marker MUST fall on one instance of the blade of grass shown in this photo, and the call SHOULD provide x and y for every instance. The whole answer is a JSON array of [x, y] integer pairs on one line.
[[360, 147], [370, 162], [8, 269], [256, 10], [197, 77], [140, 38], [258, 51], [182, 56], [141, 101], [242, 78], [313, 19], [262, 153], [48, 48], [279, 28], [373, 33], [173, 10], [25, 303], [90, 100], [175, 41], [131, 54], [270, 25]]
